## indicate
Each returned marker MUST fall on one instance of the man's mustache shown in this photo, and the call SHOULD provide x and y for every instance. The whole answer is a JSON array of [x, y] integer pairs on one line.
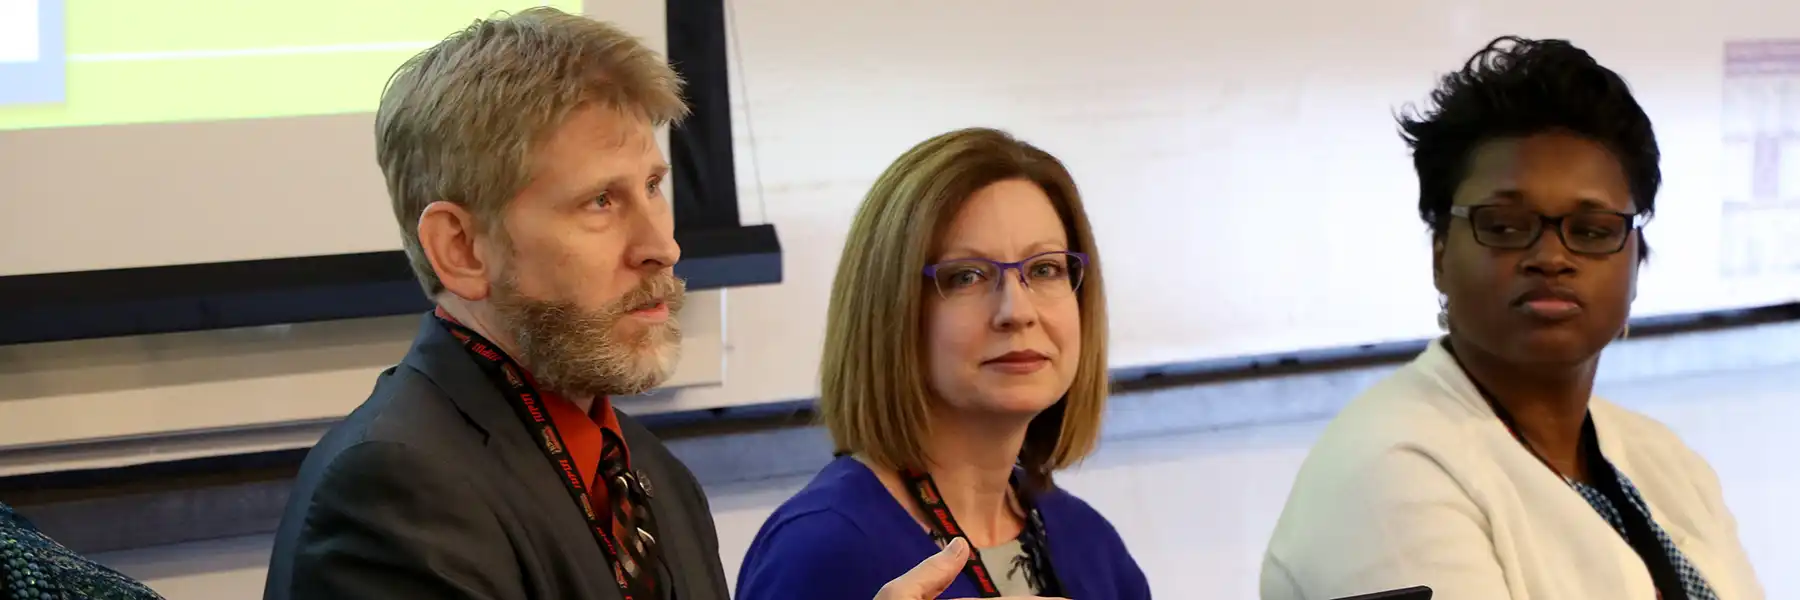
[[661, 289]]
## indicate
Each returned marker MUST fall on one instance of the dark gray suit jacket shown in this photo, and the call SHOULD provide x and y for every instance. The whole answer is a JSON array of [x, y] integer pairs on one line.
[[434, 489]]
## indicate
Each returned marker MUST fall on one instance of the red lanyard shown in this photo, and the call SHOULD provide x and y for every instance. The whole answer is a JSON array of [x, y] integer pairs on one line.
[[634, 569], [1032, 541]]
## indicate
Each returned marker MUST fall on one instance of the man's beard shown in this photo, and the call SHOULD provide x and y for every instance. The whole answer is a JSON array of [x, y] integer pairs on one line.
[[574, 351]]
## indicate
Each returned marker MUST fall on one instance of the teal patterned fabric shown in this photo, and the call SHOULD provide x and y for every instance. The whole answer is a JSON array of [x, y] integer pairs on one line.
[[34, 567], [1691, 577]]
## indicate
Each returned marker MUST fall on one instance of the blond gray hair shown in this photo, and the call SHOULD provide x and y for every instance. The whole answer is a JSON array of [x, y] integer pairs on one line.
[[459, 122]]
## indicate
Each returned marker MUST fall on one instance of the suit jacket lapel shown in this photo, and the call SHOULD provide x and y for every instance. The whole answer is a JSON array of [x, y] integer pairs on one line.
[[650, 470], [673, 518], [443, 360]]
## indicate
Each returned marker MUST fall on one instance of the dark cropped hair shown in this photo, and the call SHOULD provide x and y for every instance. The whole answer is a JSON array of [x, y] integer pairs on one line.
[[1517, 87]]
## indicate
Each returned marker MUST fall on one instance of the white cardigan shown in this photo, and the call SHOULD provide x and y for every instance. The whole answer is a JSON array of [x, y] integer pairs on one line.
[[1417, 482]]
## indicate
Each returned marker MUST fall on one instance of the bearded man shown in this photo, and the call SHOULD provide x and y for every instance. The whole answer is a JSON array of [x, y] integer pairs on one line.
[[522, 164]]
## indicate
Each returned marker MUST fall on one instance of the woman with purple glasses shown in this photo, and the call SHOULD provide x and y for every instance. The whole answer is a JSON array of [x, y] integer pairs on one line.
[[964, 363]]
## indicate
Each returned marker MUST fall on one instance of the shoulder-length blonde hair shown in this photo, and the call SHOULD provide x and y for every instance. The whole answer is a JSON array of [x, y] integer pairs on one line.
[[873, 389]]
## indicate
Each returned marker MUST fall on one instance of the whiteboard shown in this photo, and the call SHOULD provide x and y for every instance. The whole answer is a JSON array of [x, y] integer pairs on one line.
[[195, 131]]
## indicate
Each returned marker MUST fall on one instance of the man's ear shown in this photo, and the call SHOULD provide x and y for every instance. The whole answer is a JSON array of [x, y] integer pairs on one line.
[[451, 238]]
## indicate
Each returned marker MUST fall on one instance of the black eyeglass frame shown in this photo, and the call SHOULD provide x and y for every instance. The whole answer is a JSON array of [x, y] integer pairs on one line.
[[1469, 212]]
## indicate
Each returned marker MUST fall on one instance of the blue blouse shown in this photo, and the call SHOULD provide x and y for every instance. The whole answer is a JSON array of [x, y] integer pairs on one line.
[[844, 536]]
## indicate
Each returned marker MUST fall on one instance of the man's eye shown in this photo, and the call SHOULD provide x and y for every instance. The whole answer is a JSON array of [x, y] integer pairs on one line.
[[602, 201]]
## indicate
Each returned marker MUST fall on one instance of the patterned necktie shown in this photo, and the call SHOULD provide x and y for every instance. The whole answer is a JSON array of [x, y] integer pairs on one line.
[[631, 520]]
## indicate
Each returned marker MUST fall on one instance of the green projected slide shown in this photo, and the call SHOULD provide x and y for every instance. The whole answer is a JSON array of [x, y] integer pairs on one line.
[[158, 61]]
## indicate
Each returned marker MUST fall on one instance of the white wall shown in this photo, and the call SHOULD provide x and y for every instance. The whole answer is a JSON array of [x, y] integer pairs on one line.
[[1197, 506], [1239, 159]]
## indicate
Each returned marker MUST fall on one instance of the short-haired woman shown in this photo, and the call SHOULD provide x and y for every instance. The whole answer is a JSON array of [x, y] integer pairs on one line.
[[964, 363], [1486, 468]]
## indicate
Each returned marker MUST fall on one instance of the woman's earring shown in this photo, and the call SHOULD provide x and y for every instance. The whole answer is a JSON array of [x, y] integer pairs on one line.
[[1626, 333], [1443, 312]]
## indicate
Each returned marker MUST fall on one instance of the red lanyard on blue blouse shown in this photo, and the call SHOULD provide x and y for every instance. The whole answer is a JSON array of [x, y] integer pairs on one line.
[[1033, 541]]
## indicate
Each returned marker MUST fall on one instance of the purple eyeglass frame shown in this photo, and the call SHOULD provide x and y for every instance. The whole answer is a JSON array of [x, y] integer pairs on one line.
[[931, 270]]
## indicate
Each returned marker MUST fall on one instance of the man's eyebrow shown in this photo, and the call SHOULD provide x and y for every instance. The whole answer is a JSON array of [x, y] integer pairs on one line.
[[602, 184]]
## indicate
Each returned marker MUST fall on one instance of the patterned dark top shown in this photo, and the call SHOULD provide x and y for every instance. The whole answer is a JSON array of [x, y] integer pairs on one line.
[[1691, 578], [35, 567]]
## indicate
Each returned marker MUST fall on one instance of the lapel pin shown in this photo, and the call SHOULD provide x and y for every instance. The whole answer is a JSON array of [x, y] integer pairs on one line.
[[643, 480]]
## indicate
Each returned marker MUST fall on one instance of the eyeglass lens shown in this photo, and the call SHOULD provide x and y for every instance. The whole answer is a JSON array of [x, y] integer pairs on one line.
[[1056, 273], [1590, 232]]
